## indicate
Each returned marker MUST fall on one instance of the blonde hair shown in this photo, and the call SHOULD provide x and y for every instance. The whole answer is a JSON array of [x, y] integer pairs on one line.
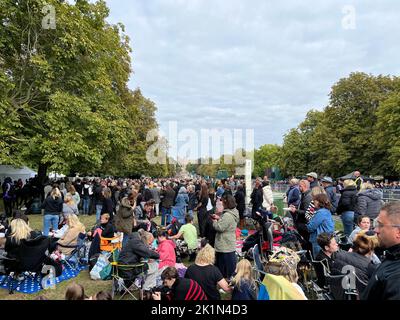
[[20, 230], [55, 193], [294, 181], [317, 190], [206, 255], [73, 222], [366, 185], [71, 189], [349, 183], [68, 199], [243, 272]]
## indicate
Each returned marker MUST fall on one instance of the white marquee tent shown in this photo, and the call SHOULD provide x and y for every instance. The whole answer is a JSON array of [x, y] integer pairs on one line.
[[16, 173]]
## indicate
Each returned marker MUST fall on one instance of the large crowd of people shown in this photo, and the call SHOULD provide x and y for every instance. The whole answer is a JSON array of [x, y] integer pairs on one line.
[[129, 207]]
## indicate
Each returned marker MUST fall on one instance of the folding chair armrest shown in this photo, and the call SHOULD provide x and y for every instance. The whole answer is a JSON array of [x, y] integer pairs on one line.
[[129, 265], [110, 239], [338, 276]]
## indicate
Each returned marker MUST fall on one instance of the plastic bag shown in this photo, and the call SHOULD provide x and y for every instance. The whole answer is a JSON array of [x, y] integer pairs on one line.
[[101, 263]]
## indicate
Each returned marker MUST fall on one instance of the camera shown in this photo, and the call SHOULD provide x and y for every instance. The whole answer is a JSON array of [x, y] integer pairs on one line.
[[164, 291]]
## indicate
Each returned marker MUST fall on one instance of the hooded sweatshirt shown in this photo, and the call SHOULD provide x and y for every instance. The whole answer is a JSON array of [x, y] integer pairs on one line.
[[166, 250]]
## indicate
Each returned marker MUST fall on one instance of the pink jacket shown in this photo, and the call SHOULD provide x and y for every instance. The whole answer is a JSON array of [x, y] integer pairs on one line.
[[166, 249]]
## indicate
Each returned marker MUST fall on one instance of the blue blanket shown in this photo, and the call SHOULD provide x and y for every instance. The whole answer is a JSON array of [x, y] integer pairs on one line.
[[30, 285]]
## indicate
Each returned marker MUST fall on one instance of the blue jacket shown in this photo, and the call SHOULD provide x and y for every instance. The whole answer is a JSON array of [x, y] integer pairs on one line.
[[293, 196], [182, 200], [321, 222], [332, 198], [220, 191], [246, 291]]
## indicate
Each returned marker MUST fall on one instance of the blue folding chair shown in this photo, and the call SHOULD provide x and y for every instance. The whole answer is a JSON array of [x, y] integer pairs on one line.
[[78, 256]]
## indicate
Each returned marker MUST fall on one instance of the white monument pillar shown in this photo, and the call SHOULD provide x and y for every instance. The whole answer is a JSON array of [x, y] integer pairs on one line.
[[248, 180]]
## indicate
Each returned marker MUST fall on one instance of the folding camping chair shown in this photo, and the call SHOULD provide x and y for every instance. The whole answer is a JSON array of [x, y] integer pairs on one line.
[[258, 264], [333, 283], [78, 256], [111, 244], [127, 279]]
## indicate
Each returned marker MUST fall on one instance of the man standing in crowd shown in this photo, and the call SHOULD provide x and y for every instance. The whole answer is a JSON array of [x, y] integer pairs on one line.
[[299, 213], [327, 185], [256, 199], [385, 282], [312, 178], [98, 198], [167, 201], [359, 180], [156, 191]]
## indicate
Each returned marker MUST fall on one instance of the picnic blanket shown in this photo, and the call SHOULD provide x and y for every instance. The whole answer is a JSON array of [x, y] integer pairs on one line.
[[30, 285]]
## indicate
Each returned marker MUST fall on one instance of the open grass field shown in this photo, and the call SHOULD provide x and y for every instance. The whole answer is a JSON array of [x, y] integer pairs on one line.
[[91, 286]]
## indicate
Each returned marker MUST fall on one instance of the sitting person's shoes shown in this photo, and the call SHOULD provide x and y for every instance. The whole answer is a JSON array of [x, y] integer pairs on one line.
[[20, 277]]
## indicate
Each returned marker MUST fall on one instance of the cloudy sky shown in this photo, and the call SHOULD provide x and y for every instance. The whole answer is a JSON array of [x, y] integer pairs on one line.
[[259, 64]]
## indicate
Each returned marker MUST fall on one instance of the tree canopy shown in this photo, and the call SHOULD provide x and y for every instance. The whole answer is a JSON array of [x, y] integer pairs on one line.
[[64, 100], [358, 130]]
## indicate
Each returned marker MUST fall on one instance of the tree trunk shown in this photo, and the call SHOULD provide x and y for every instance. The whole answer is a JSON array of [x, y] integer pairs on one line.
[[42, 172]]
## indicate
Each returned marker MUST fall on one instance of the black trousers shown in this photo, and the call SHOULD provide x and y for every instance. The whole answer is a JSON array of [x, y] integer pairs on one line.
[[8, 207], [202, 215], [226, 263]]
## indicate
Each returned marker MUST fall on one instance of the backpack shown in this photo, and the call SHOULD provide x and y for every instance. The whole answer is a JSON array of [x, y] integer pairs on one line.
[[10, 192], [36, 206]]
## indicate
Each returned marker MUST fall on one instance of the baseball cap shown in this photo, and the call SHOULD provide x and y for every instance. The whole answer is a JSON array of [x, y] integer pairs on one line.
[[312, 174], [327, 179]]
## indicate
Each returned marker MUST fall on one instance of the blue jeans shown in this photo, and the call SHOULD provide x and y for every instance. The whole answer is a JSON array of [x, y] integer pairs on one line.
[[50, 221], [348, 222], [86, 205], [165, 216], [98, 211], [125, 239]]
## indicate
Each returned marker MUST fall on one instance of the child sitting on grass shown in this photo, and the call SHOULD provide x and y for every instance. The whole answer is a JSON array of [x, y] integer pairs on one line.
[[244, 285]]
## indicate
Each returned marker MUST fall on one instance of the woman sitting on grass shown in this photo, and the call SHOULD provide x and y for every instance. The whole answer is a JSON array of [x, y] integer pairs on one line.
[[206, 274], [70, 238], [20, 230], [244, 285]]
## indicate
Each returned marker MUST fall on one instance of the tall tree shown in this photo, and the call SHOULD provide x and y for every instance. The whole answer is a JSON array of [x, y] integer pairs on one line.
[[266, 156], [388, 130], [65, 90]]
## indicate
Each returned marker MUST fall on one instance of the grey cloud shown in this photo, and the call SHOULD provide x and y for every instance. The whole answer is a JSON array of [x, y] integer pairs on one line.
[[261, 64]]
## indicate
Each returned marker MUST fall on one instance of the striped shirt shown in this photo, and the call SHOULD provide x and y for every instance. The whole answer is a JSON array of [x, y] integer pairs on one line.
[[187, 289]]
